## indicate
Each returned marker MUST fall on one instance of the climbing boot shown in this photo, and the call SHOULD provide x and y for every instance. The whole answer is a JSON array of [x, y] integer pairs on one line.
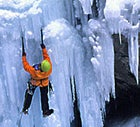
[[48, 112]]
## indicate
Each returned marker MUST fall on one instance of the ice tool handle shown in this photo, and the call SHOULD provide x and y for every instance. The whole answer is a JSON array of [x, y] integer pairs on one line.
[[23, 49], [42, 36]]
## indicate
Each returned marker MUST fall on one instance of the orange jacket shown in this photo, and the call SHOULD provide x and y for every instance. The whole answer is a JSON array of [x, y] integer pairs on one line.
[[38, 78]]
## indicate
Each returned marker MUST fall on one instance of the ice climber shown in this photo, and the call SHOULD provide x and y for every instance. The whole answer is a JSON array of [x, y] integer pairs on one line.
[[39, 74]]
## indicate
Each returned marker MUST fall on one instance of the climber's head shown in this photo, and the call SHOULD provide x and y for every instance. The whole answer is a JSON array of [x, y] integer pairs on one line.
[[45, 65]]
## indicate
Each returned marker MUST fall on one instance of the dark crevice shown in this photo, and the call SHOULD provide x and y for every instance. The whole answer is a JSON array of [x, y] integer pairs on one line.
[[95, 9], [127, 101], [77, 118], [95, 13]]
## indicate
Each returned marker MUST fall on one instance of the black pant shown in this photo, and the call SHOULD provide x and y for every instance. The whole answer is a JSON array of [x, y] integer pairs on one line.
[[29, 94]]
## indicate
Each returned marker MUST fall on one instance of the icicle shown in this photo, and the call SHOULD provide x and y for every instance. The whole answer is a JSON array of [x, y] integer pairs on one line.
[[134, 54], [120, 35], [73, 88]]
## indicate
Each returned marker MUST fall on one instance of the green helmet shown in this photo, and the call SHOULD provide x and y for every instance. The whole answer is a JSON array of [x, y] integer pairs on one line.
[[45, 65]]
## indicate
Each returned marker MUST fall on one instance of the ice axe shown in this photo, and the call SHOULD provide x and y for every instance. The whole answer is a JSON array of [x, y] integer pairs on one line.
[[42, 44], [22, 41], [23, 49], [41, 36]]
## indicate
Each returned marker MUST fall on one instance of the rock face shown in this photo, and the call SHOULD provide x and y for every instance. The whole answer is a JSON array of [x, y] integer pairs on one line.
[[127, 102]]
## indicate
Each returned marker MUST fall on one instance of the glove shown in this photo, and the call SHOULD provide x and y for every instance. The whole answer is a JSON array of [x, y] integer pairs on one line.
[[23, 54], [42, 46]]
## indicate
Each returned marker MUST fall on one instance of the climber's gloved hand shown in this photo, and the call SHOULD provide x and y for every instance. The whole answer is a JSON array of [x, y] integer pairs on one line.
[[23, 53], [42, 45]]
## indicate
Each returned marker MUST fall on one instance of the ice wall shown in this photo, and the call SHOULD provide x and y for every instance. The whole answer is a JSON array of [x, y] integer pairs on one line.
[[81, 51], [98, 74]]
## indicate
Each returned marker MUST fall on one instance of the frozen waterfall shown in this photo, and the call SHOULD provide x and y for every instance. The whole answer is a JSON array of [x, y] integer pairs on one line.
[[77, 34]]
